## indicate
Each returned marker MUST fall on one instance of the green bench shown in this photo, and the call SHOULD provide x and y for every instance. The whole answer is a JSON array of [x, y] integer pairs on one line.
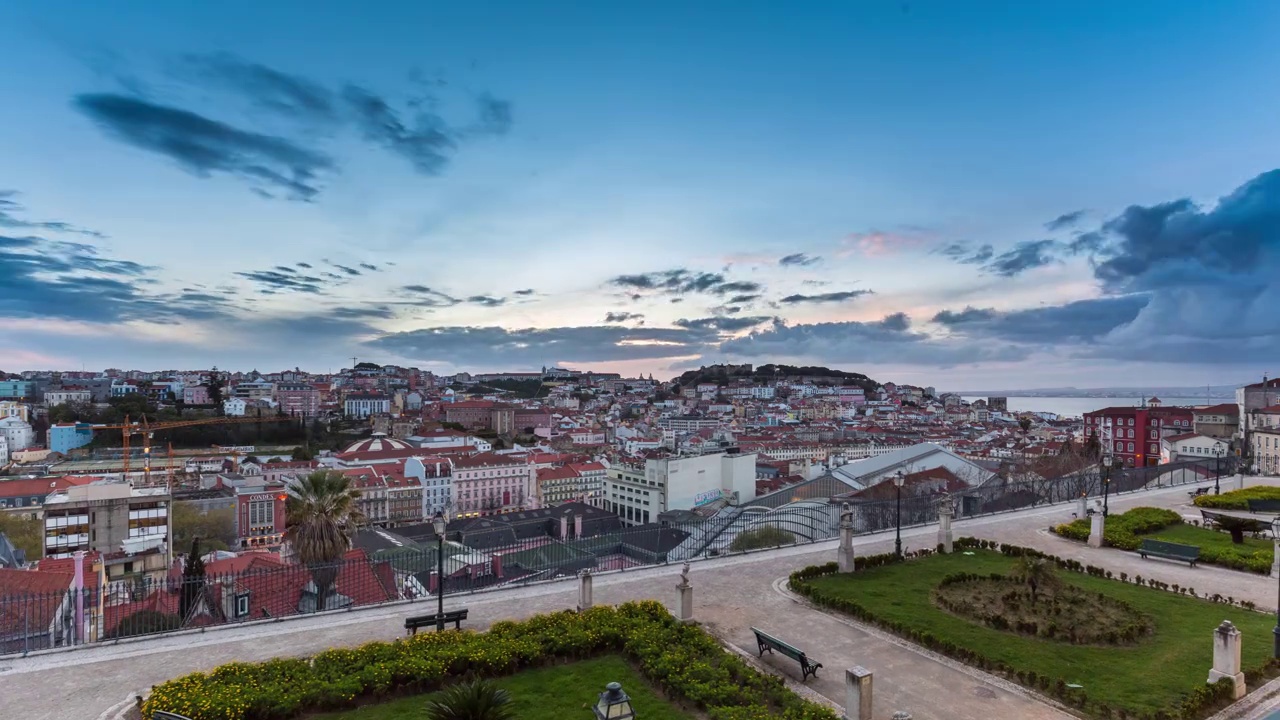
[[1170, 551], [162, 715], [1264, 506], [765, 641]]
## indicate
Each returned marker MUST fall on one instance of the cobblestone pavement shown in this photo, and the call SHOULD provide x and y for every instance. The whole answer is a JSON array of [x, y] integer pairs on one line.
[[730, 596]]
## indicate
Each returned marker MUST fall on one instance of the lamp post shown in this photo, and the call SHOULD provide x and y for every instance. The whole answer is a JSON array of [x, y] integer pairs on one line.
[[1275, 650], [1107, 461], [613, 704], [438, 524], [898, 481], [1217, 470]]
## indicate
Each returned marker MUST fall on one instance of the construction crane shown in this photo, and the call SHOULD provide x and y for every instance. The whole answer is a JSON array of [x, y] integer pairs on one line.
[[147, 430]]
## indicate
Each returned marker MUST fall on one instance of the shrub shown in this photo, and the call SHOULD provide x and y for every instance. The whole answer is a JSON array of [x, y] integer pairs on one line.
[[762, 537], [1238, 499], [1122, 531]]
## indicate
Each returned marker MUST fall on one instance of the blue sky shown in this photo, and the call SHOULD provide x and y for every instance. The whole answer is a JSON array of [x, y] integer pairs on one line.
[[965, 193]]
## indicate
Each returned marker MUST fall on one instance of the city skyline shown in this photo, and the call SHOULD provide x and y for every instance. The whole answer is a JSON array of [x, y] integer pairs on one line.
[[977, 195]]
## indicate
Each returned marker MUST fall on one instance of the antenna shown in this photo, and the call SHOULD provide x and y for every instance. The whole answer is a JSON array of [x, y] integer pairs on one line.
[[353, 362]]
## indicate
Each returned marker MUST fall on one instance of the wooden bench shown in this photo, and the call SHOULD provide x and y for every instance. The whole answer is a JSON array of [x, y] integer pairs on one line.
[[1198, 492], [422, 621], [1170, 551], [162, 715], [1264, 506], [765, 641]]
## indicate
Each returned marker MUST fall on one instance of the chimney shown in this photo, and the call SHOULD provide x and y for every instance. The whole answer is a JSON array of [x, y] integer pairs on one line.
[[564, 527], [577, 525], [497, 566]]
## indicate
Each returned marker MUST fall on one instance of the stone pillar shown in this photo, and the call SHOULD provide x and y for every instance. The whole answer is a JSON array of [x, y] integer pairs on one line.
[[77, 635], [845, 556], [686, 596], [1226, 657], [1095, 530], [584, 590], [1239, 481], [945, 512], [1082, 506], [857, 693], [1275, 564], [564, 528], [577, 526]]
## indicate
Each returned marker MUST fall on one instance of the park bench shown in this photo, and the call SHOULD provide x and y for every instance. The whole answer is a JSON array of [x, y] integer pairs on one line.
[[1264, 506], [1198, 492], [422, 621], [765, 641], [1170, 551], [162, 715]]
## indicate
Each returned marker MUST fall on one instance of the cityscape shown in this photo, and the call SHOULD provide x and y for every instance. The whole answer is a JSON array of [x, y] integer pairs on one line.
[[875, 360]]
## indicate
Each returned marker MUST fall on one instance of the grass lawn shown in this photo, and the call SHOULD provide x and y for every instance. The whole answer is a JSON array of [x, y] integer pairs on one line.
[[1207, 539], [1151, 675], [551, 693]]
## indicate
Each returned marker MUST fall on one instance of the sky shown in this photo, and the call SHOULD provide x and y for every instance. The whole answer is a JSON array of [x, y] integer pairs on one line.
[[963, 195]]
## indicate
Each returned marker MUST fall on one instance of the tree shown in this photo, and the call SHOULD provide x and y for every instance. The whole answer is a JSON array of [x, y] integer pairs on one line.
[[1036, 572], [1025, 423], [216, 528], [1093, 447], [215, 390], [302, 453], [762, 537], [473, 700], [1238, 526], [192, 581], [144, 622], [321, 515], [26, 533]]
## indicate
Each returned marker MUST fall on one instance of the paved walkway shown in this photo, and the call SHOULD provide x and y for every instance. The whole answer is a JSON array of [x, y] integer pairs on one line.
[[730, 596]]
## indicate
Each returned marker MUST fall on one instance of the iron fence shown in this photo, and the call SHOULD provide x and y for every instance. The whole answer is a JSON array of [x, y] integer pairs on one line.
[[264, 587]]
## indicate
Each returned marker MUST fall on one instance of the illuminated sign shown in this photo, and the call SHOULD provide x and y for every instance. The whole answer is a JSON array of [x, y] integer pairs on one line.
[[706, 497]]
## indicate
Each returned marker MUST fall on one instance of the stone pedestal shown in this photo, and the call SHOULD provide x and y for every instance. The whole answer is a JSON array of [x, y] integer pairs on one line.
[[1082, 506], [944, 525], [844, 554], [1238, 481], [1275, 564], [686, 602], [584, 590], [1226, 657], [1095, 530], [857, 693]]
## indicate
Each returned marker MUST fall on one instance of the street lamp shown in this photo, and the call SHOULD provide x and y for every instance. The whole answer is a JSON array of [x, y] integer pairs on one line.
[[1275, 650], [438, 524], [1217, 468], [613, 704], [898, 480], [1107, 461]]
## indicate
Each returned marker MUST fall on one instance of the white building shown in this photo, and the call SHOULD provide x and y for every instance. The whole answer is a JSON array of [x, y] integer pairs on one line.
[[10, 408], [64, 396], [234, 407], [4, 450], [1191, 446], [362, 405], [17, 434], [436, 477], [680, 482]]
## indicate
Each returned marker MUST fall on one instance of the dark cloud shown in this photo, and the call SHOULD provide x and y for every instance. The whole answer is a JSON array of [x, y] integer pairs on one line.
[[743, 299], [523, 293], [268, 88], [534, 347], [723, 324], [1064, 221], [9, 205], [425, 142], [737, 287], [495, 116], [682, 282], [617, 317], [487, 301], [287, 281], [1080, 321], [369, 267], [303, 265], [423, 296], [204, 147], [345, 269], [285, 269], [357, 313], [799, 259], [965, 253], [825, 297], [1024, 256], [888, 341]]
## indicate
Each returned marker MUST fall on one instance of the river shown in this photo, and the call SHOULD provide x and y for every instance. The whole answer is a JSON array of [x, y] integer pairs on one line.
[[1078, 406]]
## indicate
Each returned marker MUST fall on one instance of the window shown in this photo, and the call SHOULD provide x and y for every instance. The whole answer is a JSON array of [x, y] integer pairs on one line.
[[242, 604], [1155, 448], [1119, 445], [1130, 447]]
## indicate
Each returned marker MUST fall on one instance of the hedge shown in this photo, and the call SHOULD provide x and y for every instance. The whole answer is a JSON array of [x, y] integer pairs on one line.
[[1238, 499], [683, 661], [1201, 702], [1122, 531]]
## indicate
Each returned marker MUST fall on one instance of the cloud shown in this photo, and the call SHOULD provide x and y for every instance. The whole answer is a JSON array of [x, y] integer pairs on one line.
[[205, 147], [268, 88], [369, 267], [965, 253], [283, 279], [825, 297], [1024, 256], [682, 282], [723, 324], [425, 143], [1064, 221], [617, 317], [495, 116], [799, 260], [9, 205], [1080, 321], [463, 346], [524, 293], [889, 341], [423, 296], [878, 243], [303, 265], [357, 313], [743, 299], [487, 301], [348, 270]]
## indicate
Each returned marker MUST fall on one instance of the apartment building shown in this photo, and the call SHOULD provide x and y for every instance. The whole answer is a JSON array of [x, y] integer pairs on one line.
[[638, 494]]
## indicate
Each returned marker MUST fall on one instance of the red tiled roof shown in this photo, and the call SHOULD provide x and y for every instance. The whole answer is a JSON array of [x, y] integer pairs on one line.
[[41, 486], [490, 460], [67, 566], [37, 595], [556, 473]]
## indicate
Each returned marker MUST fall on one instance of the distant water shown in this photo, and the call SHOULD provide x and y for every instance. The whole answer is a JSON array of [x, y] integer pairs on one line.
[[1078, 406]]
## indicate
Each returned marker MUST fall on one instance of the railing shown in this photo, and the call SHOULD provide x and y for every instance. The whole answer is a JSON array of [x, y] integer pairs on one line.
[[274, 590]]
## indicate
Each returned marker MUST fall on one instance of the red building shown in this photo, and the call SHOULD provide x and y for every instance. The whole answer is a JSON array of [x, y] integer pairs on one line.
[[1134, 433], [260, 516], [298, 399]]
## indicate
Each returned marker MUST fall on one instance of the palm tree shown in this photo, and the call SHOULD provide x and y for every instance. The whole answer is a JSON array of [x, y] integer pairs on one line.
[[474, 700], [1036, 572], [321, 515]]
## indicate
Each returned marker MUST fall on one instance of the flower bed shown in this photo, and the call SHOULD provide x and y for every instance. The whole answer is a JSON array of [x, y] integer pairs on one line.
[[683, 661], [1127, 530], [1122, 530], [1159, 678], [1238, 499]]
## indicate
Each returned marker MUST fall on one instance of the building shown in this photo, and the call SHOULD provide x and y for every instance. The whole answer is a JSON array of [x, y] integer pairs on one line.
[[16, 389], [29, 493], [298, 399], [362, 405], [65, 437], [1192, 446], [17, 433], [1134, 433], [908, 460], [1219, 421], [1264, 439], [196, 395], [489, 483], [67, 395], [130, 526], [688, 423], [260, 513], [12, 408], [372, 491], [234, 407], [435, 477], [998, 404], [678, 482], [253, 390], [4, 451]]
